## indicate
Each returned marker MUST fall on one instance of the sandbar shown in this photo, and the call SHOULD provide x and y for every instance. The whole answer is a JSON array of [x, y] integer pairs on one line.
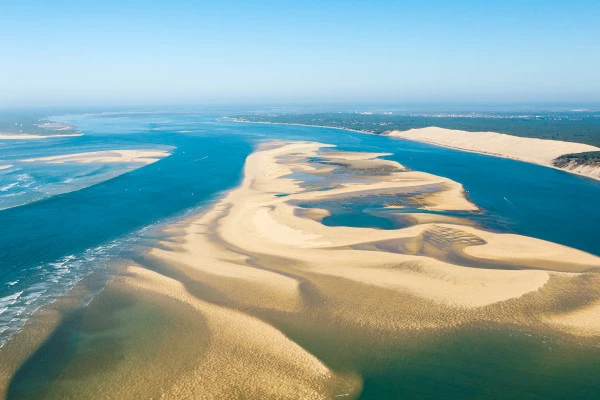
[[452, 273], [108, 156], [29, 136]]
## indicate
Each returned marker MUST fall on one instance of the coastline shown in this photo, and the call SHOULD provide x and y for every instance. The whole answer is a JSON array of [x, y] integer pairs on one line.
[[285, 123], [593, 173], [361, 285], [408, 135]]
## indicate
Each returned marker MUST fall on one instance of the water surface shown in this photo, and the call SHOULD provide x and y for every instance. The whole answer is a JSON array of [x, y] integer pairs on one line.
[[54, 240]]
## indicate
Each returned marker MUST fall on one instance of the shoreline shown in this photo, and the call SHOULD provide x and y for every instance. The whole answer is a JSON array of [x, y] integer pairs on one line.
[[356, 284], [31, 136], [312, 126], [403, 135], [432, 143]]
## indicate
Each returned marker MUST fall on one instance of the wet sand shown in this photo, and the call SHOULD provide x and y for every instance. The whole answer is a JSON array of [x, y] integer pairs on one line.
[[29, 136]]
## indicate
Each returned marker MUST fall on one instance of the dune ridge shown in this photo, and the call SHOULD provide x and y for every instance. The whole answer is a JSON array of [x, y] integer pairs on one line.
[[532, 150]]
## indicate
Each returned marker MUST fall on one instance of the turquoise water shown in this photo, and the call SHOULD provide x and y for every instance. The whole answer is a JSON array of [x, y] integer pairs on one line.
[[54, 240]]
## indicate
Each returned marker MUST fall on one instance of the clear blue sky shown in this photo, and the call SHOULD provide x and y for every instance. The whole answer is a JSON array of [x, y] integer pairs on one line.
[[57, 52]]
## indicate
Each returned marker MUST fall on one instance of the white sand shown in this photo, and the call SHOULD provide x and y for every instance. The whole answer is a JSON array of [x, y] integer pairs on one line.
[[538, 151], [109, 156], [27, 136], [7, 166]]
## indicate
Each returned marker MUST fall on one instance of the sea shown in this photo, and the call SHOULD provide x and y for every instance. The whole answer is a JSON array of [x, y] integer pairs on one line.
[[60, 223]]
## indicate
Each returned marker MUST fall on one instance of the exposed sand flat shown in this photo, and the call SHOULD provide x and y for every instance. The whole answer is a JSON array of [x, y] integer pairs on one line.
[[538, 151], [109, 156], [27, 136], [5, 166], [443, 273]]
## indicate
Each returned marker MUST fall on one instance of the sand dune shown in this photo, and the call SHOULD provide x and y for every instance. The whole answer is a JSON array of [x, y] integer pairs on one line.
[[585, 170], [538, 151]]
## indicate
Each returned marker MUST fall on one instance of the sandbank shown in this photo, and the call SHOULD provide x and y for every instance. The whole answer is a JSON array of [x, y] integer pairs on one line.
[[108, 156], [29, 136], [443, 267]]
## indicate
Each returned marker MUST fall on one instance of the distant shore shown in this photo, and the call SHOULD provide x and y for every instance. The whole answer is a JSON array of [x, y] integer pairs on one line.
[[587, 171], [532, 150], [289, 124], [29, 136]]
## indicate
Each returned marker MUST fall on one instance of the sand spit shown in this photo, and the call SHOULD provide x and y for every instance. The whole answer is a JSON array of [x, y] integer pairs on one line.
[[425, 276], [27, 136], [537, 151], [109, 156]]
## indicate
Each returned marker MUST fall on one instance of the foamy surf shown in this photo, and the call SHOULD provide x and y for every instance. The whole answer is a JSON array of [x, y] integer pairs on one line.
[[41, 285]]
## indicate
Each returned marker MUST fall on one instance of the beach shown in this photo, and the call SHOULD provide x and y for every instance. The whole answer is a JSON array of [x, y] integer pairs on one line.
[[537, 151]]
